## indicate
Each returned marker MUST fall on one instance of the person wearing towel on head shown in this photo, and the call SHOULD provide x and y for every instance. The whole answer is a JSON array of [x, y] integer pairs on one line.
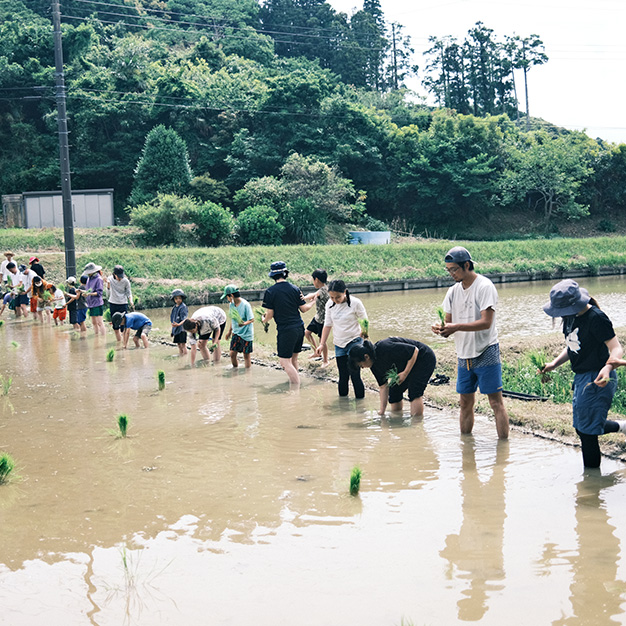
[[593, 351]]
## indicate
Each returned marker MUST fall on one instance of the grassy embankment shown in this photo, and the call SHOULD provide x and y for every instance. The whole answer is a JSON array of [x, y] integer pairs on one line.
[[202, 272]]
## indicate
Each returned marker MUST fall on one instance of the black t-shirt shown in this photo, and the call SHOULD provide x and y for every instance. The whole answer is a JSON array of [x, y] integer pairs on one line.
[[71, 305], [396, 351], [285, 300], [38, 269], [585, 342]]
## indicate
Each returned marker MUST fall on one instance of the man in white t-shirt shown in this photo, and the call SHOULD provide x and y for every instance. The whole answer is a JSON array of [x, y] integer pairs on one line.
[[470, 308]]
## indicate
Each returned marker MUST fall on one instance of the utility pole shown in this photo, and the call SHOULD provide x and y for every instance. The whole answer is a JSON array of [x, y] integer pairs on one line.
[[64, 153], [395, 59]]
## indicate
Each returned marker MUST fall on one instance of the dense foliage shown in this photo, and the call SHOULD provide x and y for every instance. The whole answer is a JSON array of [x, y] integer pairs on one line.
[[288, 106]]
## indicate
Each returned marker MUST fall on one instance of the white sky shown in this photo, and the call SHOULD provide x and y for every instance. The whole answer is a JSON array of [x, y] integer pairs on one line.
[[582, 86]]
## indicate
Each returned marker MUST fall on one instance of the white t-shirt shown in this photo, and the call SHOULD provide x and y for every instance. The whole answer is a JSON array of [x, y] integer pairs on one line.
[[466, 305], [27, 278], [15, 279], [3, 269], [344, 320], [59, 299]]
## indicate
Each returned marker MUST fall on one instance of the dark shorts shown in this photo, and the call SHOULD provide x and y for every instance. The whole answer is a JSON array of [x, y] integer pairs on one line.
[[22, 299], [96, 311], [239, 344], [81, 316], [289, 342], [180, 338], [417, 380], [117, 308], [73, 317], [315, 327], [208, 336]]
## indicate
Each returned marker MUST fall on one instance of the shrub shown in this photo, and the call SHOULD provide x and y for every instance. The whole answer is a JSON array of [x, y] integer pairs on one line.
[[606, 226], [160, 220], [303, 222], [259, 225], [266, 191], [205, 188], [213, 224]]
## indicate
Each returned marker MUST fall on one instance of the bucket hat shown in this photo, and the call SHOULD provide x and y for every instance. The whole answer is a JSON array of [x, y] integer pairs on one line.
[[22, 268], [178, 292], [566, 298], [33, 259], [91, 268], [228, 290], [277, 268], [458, 254], [71, 280], [117, 318]]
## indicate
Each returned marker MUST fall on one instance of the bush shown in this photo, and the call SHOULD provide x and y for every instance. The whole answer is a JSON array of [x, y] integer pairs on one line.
[[606, 226], [213, 224], [259, 225], [371, 223], [303, 222], [161, 219]]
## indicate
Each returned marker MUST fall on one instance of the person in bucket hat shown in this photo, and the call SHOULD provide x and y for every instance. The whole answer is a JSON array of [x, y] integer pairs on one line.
[[95, 301], [178, 315], [470, 315], [283, 303], [593, 351], [36, 266]]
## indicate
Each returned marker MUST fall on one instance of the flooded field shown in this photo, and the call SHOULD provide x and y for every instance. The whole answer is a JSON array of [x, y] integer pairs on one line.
[[228, 503]]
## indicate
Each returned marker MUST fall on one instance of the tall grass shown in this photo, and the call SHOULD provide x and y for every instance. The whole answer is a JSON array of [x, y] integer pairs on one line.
[[7, 465]]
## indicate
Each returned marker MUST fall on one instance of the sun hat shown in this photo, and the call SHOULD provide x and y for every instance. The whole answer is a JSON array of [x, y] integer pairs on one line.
[[566, 298], [8, 253], [117, 319], [71, 280], [33, 259], [91, 268], [277, 268], [118, 270], [458, 254], [178, 292], [228, 290]]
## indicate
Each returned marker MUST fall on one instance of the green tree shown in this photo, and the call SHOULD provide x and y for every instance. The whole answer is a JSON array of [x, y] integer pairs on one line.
[[259, 225], [213, 224], [547, 172], [163, 166]]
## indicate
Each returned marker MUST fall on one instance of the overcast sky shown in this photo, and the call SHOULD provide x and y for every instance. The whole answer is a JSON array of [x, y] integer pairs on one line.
[[583, 84]]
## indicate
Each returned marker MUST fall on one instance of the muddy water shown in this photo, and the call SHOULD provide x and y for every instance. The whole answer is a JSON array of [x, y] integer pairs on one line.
[[227, 504]]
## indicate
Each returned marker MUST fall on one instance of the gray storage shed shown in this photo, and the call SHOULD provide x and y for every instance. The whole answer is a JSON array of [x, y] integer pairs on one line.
[[92, 208]]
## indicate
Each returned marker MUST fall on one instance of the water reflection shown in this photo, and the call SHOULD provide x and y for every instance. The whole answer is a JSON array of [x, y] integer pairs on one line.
[[475, 554], [596, 593]]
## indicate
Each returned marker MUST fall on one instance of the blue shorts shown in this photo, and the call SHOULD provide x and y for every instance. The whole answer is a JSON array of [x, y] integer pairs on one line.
[[484, 372], [344, 351], [81, 315], [591, 403]]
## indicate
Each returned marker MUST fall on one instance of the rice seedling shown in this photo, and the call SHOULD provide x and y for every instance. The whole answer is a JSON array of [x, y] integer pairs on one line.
[[161, 379], [538, 358], [122, 425], [107, 315], [233, 313], [7, 465], [6, 384], [393, 378], [442, 316], [259, 312], [212, 348], [1, 322], [15, 344], [355, 480], [365, 327], [110, 355]]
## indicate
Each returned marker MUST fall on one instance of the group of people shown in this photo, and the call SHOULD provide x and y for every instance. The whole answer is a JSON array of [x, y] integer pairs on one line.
[[400, 365]]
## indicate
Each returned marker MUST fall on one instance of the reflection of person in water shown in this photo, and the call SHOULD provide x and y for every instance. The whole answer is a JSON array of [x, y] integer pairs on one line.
[[475, 554], [595, 592]]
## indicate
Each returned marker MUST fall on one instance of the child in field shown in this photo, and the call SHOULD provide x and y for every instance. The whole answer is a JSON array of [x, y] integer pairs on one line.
[[58, 302], [178, 315], [138, 322], [38, 289], [208, 322], [316, 325], [73, 296], [241, 333], [343, 313]]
